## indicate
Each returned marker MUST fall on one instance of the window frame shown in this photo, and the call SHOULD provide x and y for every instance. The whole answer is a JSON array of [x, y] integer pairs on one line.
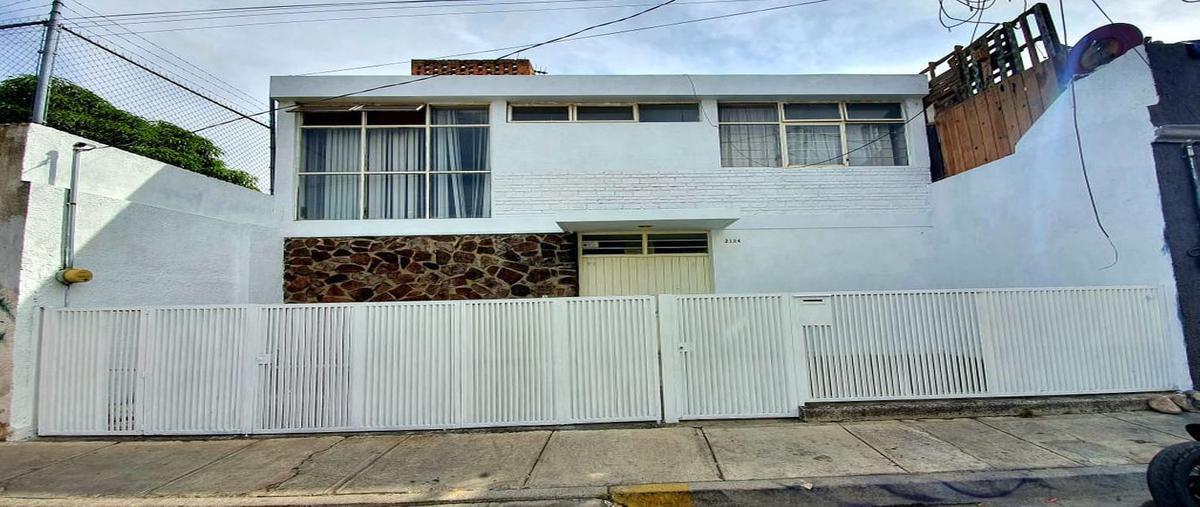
[[645, 237], [570, 111], [841, 123], [573, 111], [637, 111], [362, 173]]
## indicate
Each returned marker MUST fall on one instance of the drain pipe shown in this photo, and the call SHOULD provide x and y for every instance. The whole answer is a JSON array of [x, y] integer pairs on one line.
[[70, 274]]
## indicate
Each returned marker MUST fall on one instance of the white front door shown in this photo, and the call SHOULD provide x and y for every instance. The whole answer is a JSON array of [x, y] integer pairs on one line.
[[635, 263]]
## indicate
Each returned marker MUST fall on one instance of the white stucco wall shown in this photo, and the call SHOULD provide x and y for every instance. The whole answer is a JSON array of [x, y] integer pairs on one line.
[[152, 234], [1026, 219]]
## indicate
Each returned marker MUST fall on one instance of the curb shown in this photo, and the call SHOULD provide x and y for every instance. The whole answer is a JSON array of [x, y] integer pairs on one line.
[[845, 411], [1121, 483]]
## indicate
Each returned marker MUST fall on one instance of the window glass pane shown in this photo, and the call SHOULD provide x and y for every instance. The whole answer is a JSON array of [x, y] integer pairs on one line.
[[874, 112], [604, 113], [399, 149], [396, 117], [395, 196], [612, 244], [461, 196], [541, 113], [331, 118], [330, 150], [328, 197], [814, 144], [824, 111], [747, 113], [460, 116], [678, 243], [750, 146], [668, 112], [460, 149], [881, 144]]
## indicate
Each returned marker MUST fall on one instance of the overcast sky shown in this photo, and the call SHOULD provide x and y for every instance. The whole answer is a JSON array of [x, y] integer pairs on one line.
[[838, 36]]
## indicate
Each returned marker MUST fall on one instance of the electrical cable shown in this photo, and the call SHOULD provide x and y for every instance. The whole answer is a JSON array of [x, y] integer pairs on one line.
[[281, 6], [1087, 181], [593, 36], [427, 14], [175, 18], [244, 99], [425, 78], [577, 32], [18, 2]]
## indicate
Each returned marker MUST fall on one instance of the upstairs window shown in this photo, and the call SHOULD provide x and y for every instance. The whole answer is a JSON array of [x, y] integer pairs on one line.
[[407, 162], [663, 113], [800, 134], [541, 113], [598, 112]]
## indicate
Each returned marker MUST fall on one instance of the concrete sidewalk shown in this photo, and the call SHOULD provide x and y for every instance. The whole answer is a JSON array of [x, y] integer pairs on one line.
[[895, 461]]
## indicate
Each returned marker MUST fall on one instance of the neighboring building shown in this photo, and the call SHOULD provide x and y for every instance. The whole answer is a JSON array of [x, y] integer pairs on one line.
[[463, 187]]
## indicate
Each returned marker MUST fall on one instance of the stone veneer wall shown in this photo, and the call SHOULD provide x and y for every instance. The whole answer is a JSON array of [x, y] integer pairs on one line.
[[420, 268]]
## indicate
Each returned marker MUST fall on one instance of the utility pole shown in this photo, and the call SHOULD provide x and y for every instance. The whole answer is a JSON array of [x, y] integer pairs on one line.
[[41, 97]]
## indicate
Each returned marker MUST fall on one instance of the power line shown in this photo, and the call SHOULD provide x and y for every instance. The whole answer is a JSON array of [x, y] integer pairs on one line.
[[593, 27], [10, 4], [207, 77], [273, 7], [425, 78], [593, 36], [175, 18], [1087, 181], [242, 116], [427, 14], [472, 3]]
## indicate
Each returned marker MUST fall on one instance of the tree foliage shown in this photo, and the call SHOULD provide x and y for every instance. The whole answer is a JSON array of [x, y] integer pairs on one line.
[[77, 110]]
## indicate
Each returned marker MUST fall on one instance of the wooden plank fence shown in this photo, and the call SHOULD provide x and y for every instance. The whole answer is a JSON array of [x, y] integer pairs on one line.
[[987, 126], [986, 95]]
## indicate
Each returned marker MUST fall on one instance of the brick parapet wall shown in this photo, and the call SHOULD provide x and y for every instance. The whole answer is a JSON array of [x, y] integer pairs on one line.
[[753, 191]]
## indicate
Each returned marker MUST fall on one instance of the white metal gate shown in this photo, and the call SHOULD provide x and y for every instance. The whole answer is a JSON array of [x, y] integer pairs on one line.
[[380, 366], [309, 368], [765, 355]]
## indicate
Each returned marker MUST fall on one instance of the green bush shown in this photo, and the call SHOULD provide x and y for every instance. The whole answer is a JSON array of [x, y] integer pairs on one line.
[[77, 110]]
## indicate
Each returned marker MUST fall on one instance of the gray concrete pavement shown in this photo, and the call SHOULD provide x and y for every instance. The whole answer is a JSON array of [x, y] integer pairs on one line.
[[570, 465]]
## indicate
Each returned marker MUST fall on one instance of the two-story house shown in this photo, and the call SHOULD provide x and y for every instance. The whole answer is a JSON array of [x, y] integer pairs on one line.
[[497, 186]]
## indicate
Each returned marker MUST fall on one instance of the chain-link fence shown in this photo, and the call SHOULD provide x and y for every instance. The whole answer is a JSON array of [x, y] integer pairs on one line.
[[139, 86]]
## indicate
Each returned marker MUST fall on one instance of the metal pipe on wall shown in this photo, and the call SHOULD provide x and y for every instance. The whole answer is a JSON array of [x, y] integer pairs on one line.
[[69, 273], [1187, 136]]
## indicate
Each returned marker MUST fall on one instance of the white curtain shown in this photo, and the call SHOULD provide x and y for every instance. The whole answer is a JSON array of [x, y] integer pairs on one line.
[[750, 146], [814, 144], [460, 195], [329, 197], [400, 195], [876, 144]]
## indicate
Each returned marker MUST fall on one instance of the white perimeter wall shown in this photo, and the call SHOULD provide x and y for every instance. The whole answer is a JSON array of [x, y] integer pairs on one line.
[[151, 234], [1026, 219]]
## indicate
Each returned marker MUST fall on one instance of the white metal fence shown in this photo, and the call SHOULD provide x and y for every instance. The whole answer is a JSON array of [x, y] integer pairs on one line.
[[380, 366], [306, 368]]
